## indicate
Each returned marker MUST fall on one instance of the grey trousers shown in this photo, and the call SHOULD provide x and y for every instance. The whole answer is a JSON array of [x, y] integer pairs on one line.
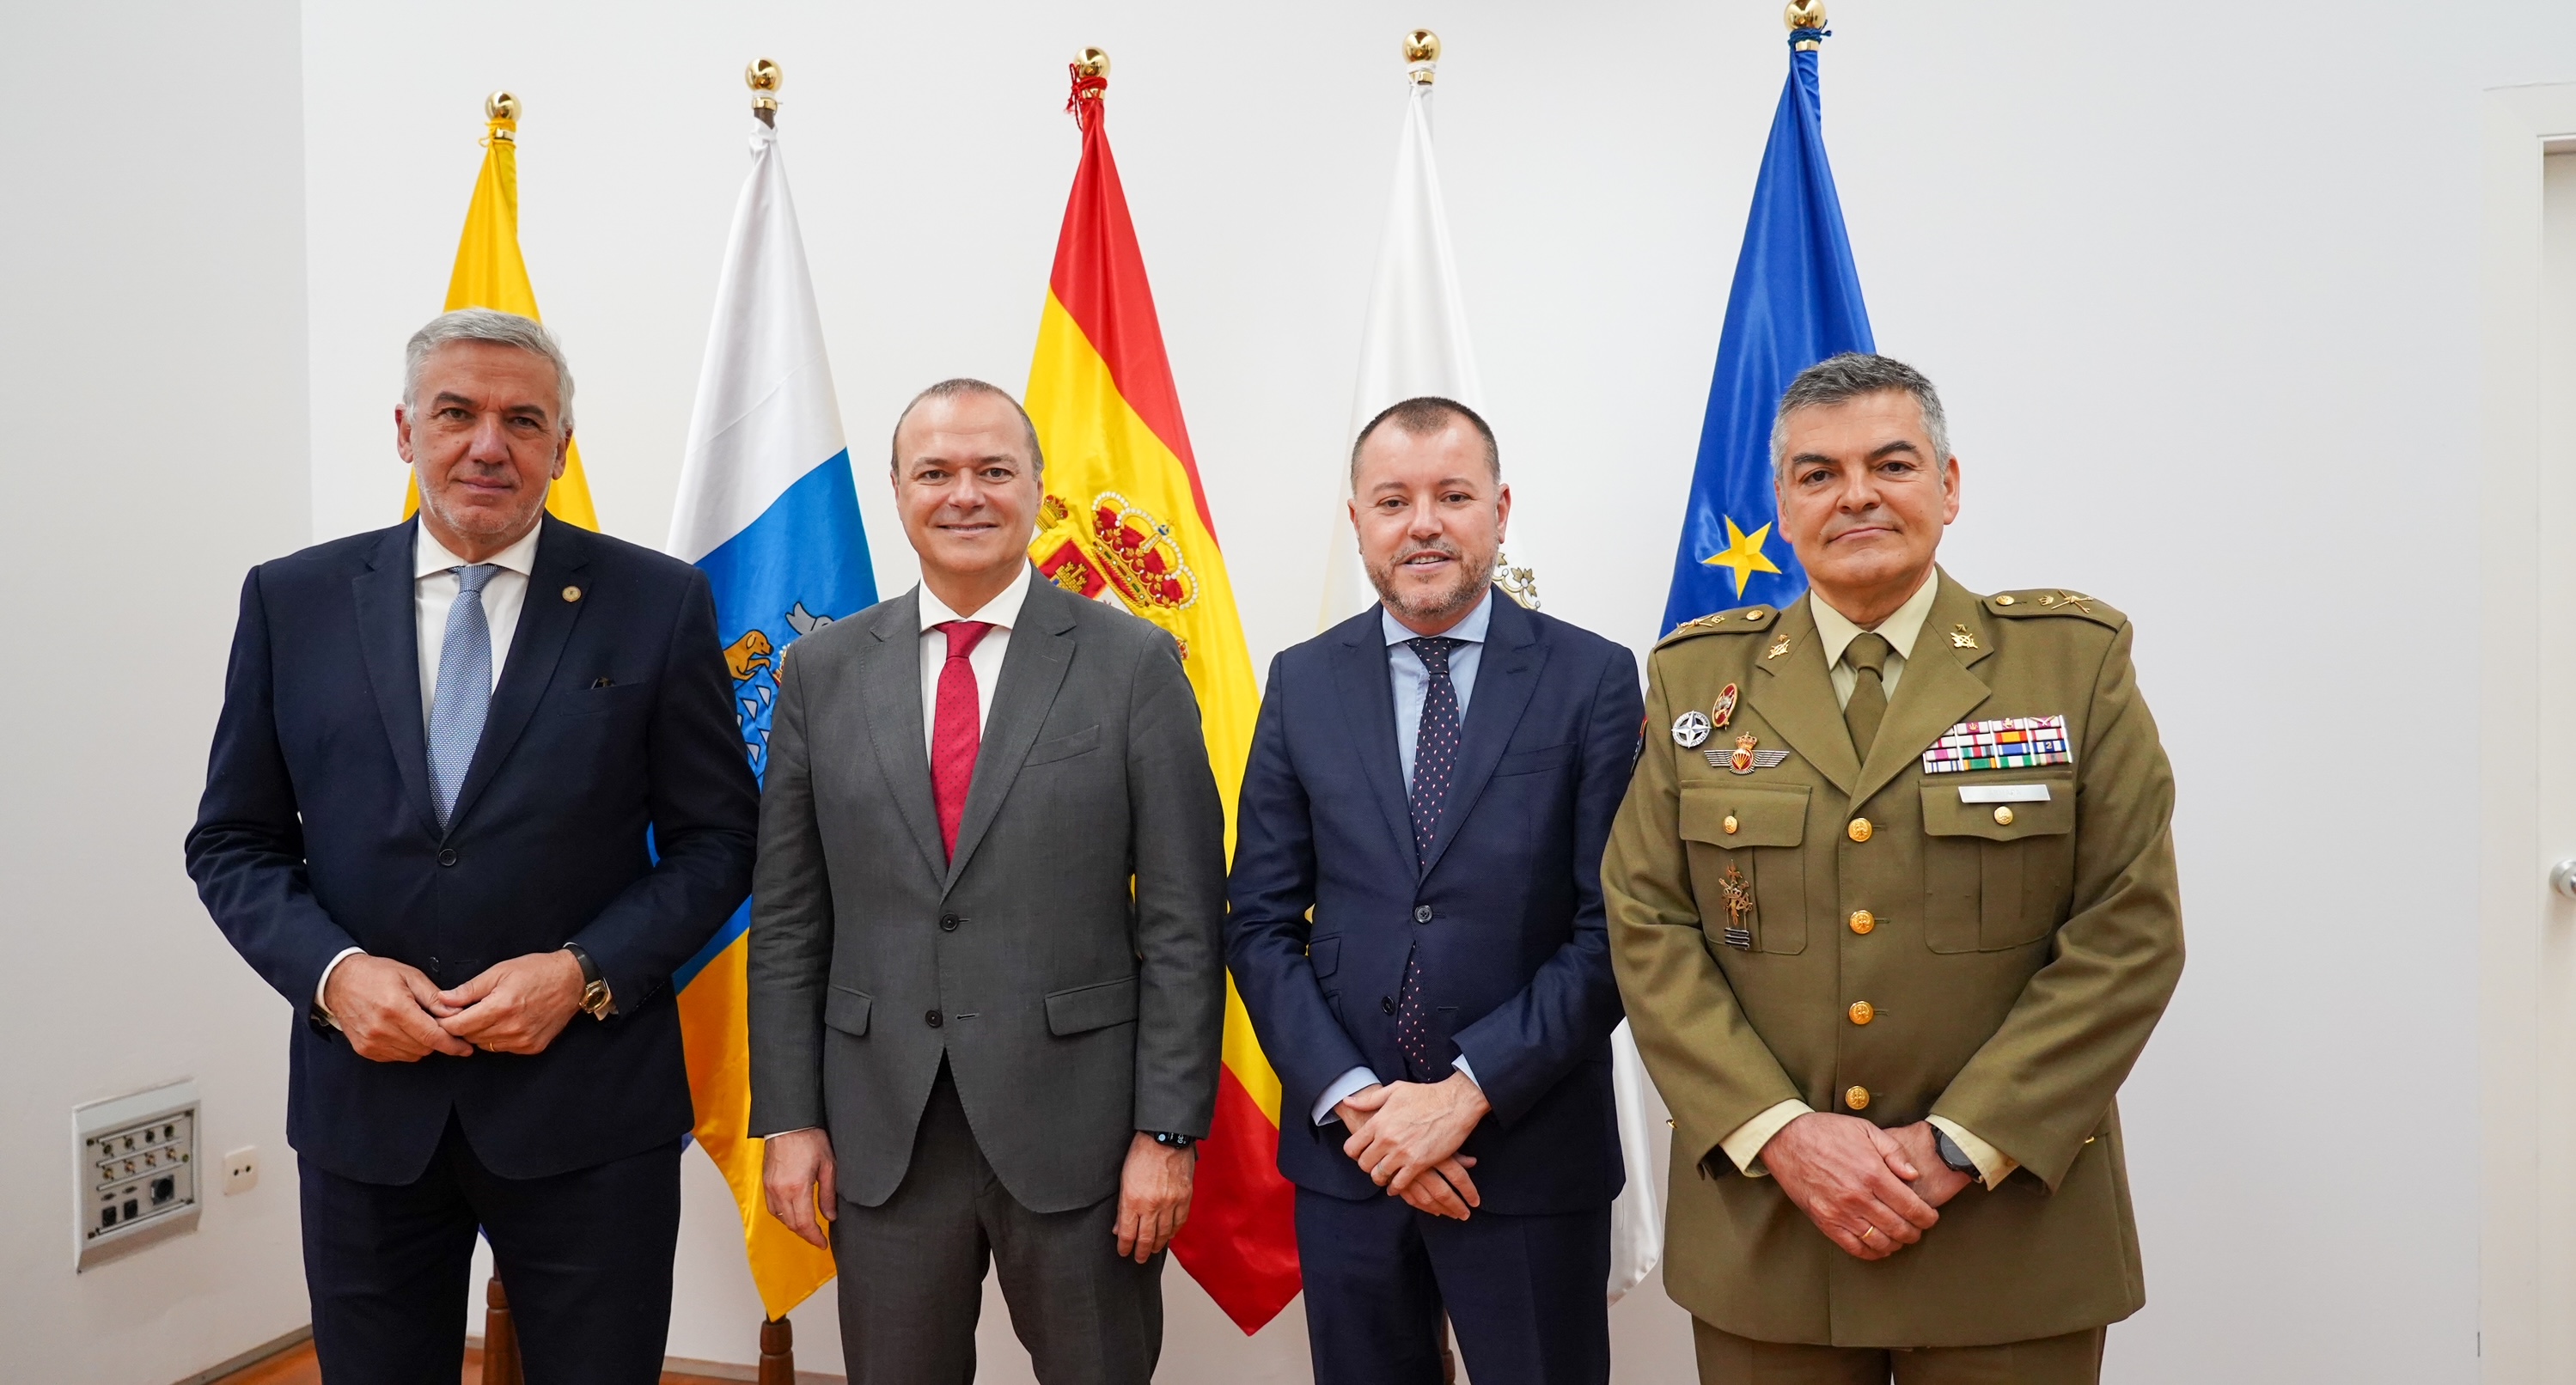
[[912, 1274]]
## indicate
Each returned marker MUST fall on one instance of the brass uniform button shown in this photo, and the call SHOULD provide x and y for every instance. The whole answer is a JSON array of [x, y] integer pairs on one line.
[[2003, 816], [572, 593], [1730, 824], [2003, 601], [1857, 1098], [1862, 921], [1862, 1012], [1860, 829]]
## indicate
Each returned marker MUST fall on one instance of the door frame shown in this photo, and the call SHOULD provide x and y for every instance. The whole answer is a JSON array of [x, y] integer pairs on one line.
[[2524, 1333]]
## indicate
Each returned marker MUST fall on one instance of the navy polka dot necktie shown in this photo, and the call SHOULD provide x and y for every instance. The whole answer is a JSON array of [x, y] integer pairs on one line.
[[1435, 764]]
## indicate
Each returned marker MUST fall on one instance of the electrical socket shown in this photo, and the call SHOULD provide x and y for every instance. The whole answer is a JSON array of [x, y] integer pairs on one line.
[[241, 1170]]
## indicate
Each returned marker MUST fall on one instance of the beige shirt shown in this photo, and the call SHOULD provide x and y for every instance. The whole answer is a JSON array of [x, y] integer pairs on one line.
[[1744, 1145]]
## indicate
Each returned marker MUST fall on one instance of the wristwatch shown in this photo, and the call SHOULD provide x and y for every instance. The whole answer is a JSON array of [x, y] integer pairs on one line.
[[595, 1000], [1168, 1140], [1954, 1156]]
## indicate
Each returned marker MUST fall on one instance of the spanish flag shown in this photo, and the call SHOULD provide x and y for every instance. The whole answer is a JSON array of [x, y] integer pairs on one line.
[[490, 273], [1125, 519]]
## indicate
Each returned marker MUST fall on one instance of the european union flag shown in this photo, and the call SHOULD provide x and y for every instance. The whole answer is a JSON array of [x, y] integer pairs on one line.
[[1796, 301]]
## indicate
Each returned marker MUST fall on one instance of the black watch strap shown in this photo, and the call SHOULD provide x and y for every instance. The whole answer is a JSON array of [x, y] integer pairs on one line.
[[1954, 1156], [1169, 1140], [595, 1000]]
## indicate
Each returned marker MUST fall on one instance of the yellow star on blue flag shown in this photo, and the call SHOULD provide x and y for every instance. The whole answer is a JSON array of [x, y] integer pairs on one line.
[[1742, 555]]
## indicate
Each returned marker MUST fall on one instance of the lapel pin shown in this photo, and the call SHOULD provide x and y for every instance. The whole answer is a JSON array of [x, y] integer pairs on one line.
[[1690, 729], [1961, 639], [1778, 649], [572, 593], [1724, 712]]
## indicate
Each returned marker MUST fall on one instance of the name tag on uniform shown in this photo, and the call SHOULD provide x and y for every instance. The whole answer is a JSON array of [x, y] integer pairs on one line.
[[2003, 793]]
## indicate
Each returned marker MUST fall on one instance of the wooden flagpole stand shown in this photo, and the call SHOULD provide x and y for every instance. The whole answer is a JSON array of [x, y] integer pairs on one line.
[[500, 1338]]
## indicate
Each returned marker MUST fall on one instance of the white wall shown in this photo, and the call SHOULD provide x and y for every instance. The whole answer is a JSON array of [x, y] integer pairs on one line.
[[152, 337], [2198, 281]]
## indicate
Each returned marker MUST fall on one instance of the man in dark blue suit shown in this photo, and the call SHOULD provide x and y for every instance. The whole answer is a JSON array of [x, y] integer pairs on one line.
[[1417, 931], [425, 823]]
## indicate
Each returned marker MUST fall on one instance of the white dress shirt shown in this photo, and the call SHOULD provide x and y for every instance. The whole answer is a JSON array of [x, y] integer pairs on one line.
[[433, 592], [1412, 683], [1834, 634], [1002, 612]]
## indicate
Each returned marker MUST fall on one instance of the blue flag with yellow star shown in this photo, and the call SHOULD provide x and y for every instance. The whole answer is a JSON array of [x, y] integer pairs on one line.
[[1796, 301]]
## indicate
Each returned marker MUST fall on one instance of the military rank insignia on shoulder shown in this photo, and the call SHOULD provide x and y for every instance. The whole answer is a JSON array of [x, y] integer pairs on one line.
[[1739, 621], [2054, 601]]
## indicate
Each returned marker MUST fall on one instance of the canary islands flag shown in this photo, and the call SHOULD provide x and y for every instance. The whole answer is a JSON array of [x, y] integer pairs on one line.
[[769, 511], [1796, 301], [490, 273], [1124, 519]]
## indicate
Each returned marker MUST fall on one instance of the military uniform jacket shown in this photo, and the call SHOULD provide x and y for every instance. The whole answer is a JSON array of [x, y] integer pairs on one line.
[[2014, 957]]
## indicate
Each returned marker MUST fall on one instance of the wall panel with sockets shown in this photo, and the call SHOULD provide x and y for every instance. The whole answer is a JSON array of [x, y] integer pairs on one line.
[[137, 1171]]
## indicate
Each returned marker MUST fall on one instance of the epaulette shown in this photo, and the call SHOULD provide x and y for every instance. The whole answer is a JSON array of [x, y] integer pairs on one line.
[[1742, 621], [2054, 601]]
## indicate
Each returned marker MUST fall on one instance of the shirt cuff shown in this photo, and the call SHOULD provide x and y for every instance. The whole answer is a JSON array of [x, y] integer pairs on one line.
[[325, 983], [797, 1131], [1460, 1063], [1356, 1080], [1993, 1165], [1744, 1145]]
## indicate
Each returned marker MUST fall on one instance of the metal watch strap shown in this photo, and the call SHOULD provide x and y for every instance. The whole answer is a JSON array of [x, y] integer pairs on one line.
[[1954, 1156], [595, 1000]]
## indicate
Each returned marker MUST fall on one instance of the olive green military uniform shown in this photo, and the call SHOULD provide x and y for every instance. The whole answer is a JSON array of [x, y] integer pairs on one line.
[[1992, 945]]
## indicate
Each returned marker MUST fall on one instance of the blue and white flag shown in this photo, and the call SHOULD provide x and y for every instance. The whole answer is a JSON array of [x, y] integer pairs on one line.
[[1796, 301], [770, 512]]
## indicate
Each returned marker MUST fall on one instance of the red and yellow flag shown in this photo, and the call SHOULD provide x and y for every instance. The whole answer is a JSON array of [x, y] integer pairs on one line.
[[1125, 517], [490, 273]]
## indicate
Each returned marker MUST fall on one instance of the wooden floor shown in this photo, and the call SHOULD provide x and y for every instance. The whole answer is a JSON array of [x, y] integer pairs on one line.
[[295, 1366]]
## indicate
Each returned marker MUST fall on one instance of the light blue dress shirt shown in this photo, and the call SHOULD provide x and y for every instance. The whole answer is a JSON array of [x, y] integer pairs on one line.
[[1413, 683]]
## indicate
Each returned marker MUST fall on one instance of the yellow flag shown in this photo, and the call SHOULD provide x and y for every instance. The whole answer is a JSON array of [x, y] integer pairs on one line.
[[491, 274]]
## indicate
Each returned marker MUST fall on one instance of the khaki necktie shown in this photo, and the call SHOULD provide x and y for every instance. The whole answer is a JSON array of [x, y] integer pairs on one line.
[[1867, 655]]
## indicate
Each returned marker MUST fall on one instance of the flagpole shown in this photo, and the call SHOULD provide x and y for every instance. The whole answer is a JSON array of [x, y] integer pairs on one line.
[[1806, 14], [764, 78]]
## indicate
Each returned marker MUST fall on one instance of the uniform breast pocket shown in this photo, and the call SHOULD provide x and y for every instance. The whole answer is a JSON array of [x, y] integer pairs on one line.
[[1998, 861], [1744, 863]]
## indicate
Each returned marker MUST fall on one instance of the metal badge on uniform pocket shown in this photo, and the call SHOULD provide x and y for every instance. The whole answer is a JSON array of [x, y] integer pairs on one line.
[[1690, 729], [2008, 743], [1738, 893], [1744, 759]]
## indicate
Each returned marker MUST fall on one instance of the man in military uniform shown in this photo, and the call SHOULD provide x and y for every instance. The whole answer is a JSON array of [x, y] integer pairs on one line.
[[1893, 908]]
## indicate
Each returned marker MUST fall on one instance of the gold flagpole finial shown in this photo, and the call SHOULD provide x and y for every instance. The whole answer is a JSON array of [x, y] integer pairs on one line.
[[500, 106], [764, 78], [1422, 56], [1091, 62], [1805, 14]]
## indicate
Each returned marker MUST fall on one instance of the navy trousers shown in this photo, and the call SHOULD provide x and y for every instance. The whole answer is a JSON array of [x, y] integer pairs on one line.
[[1528, 1295], [586, 1257]]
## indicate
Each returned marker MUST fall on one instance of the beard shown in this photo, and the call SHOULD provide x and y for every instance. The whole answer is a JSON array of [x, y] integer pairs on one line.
[[1440, 603]]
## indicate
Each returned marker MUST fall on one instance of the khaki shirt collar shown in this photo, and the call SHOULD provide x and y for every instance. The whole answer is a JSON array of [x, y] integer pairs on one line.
[[1835, 631]]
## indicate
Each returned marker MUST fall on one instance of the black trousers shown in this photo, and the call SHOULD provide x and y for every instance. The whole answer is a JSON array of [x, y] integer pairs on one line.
[[586, 1257], [1529, 1296]]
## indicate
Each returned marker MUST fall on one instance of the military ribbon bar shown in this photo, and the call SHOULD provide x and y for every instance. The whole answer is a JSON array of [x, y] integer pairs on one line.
[[2010, 743]]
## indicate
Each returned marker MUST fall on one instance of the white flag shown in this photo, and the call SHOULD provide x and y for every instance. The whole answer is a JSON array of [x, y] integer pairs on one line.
[[1416, 341], [1417, 344]]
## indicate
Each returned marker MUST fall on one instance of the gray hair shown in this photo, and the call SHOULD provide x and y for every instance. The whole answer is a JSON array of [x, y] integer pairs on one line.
[[950, 389], [1849, 376], [485, 325], [1425, 416]]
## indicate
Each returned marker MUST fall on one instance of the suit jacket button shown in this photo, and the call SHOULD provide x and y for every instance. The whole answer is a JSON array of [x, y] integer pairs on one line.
[[1422, 913], [948, 923], [447, 856], [931, 1019], [1386, 1003]]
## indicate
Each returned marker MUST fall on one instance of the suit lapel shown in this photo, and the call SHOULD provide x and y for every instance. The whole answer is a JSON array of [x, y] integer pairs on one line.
[[1795, 695], [1368, 704], [389, 641], [890, 686], [1033, 668], [1937, 690], [1506, 674], [546, 621]]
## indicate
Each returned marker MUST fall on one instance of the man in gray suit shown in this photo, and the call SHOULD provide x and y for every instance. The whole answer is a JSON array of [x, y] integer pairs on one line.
[[986, 984]]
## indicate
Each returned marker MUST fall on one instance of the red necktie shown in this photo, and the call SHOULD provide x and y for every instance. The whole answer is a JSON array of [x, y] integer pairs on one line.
[[956, 729]]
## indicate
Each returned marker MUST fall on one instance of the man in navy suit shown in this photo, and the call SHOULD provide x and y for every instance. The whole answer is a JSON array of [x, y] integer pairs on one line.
[[425, 823], [1417, 931]]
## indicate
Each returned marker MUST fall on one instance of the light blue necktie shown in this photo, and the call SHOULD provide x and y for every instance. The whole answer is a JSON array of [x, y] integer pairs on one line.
[[464, 693]]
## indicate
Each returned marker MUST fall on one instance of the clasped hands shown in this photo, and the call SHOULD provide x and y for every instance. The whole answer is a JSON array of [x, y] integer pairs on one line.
[[393, 1013], [1405, 1136], [1871, 1191], [801, 1183]]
